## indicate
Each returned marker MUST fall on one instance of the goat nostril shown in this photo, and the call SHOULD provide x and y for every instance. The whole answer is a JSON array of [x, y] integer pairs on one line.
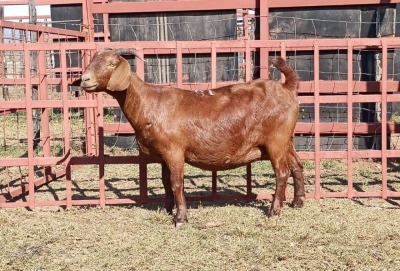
[[85, 78]]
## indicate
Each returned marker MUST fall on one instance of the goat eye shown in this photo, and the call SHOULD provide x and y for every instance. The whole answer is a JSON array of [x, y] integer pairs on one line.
[[113, 65]]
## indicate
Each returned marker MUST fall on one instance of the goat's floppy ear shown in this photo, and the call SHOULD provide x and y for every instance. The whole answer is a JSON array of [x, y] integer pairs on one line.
[[121, 77]]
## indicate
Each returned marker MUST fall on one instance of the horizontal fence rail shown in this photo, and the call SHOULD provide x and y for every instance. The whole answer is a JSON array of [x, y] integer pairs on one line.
[[316, 92], [51, 131]]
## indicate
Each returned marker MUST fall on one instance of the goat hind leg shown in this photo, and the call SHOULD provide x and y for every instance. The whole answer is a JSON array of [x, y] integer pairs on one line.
[[169, 194], [281, 175], [296, 168]]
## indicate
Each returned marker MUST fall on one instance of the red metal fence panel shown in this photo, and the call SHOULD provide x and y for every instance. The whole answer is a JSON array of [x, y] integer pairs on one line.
[[75, 128]]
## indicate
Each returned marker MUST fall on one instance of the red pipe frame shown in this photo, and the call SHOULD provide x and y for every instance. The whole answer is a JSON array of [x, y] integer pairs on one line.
[[315, 128], [385, 92]]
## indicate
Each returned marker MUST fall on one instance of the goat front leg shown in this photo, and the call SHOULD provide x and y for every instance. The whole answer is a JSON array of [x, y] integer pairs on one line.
[[180, 200], [176, 167], [169, 194]]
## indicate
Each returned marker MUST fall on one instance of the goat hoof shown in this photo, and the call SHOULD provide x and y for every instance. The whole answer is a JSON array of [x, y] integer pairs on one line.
[[274, 212], [179, 223], [298, 202]]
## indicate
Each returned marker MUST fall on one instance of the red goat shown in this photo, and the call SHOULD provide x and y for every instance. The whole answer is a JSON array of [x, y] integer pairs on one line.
[[218, 129]]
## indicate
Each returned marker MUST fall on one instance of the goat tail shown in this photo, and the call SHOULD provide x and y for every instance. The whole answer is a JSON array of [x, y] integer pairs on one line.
[[291, 78]]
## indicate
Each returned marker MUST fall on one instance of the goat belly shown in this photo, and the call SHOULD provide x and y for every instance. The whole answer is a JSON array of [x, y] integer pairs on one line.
[[219, 160]]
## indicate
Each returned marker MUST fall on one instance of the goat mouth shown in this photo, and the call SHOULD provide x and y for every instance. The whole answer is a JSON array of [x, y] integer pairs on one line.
[[89, 88]]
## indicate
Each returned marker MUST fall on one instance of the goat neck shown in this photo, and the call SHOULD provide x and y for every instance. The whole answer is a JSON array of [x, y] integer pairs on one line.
[[134, 101]]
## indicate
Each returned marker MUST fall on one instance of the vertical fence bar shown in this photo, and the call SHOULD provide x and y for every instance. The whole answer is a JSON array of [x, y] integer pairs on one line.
[[142, 161], [106, 27], [99, 131], [45, 137], [213, 65], [92, 126], [29, 119], [94, 116], [89, 127], [140, 63], [214, 85], [179, 65], [283, 49], [350, 119], [283, 55], [64, 87], [88, 18], [248, 76], [87, 111], [246, 31], [100, 120], [65, 110], [248, 61], [264, 35], [384, 117], [317, 134]]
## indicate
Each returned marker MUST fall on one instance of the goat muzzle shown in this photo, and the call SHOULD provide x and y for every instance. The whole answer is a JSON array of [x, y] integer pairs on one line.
[[87, 83]]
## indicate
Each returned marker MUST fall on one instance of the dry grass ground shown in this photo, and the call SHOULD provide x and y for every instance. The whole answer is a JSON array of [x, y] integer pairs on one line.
[[328, 234]]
